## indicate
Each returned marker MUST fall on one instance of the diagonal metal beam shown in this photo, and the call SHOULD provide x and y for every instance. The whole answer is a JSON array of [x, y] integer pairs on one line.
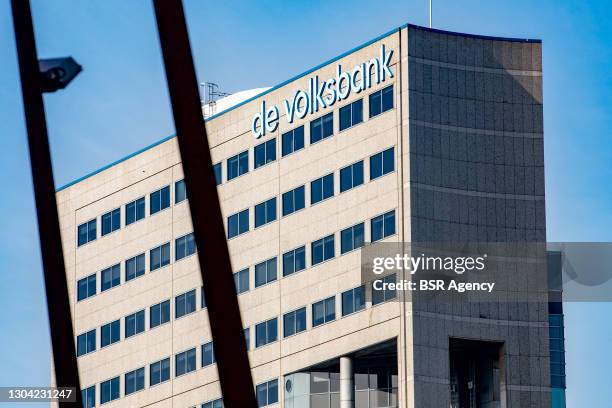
[[56, 287], [215, 265]]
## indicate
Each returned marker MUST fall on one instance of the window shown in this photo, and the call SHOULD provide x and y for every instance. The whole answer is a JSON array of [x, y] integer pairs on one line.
[[266, 332], [383, 226], [267, 393], [324, 311], [185, 304], [381, 101], [111, 221], [109, 390], [241, 279], [321, 128], [208, 354], [86, 232], [203, 299], [352, 238], [134, 211], [265, 272], [351, 176], [110, 333], [180, 191], [159, 257], [159, 371], [293, 141], [134, 323], [159, 200], [86, 287], [134, 267], [134, 381], [238, 223], [322, 250], [382, 163], [247, 337], [265, 153], [185, 362], [265, 212], [322, 188], [293, 200], [294, 261], [159, 314], [237, 165], [218, 173], [379, 296], [184, 246], [351, 114], [353, 300], [218, 403], [294, 322], [110, 277], [88, 395], [86, 342]]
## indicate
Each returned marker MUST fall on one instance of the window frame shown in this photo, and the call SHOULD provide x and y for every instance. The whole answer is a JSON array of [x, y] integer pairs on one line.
[[88, 231], [161, 192], [186, 242], [354, 245], [267, 151], [267, 264], [238, 279], [88, 336], [351, 108], [293, 138], [237, 216], [186, 298], [294, 200], [115, 324], [135, 316], [115, 271], [295, 321], [351, 168], [267, 329], [183, 190], [115, 217], [354, 304], [161, 370], [133, 206], [270, 214], [87, 279], [186, 361], [238, 158], [134, 261], [139, 372], [379, 93], [323, 180], [383, 218], [153, 266], [161, 313], [323, 241], [111, 384], [325, 302], [321, 120], [293, 253]]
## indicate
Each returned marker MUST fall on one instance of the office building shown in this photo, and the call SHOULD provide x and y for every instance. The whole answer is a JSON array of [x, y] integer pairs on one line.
[[417, 135]]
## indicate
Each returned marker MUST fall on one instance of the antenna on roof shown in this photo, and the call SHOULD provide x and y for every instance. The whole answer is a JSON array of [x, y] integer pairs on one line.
[[211, 94], [430, 1]]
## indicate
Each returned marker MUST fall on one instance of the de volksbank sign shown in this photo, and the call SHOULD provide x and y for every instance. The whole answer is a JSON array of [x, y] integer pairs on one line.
[[321, 95]]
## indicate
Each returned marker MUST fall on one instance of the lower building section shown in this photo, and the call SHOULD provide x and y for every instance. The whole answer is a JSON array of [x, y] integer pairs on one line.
[[364, 379]]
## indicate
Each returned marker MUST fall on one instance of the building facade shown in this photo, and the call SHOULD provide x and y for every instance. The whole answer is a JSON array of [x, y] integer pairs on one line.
[[418, 135]]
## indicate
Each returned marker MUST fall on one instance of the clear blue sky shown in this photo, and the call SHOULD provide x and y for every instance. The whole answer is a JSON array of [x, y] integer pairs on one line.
[[120, 104]]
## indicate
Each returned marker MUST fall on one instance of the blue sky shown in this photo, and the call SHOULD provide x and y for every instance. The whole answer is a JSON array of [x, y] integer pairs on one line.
[[120, 104]]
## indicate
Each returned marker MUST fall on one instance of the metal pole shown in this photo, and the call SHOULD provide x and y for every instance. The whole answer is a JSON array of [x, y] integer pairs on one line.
[[430, 13], [58, 301], [208, 226]]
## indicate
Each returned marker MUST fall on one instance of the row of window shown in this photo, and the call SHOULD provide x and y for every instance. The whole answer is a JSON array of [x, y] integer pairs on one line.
[[159, 372], [134, 211], [320, 128], [294, 322], [323, 311], [135, 267], [321, 250], [320, 189]]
